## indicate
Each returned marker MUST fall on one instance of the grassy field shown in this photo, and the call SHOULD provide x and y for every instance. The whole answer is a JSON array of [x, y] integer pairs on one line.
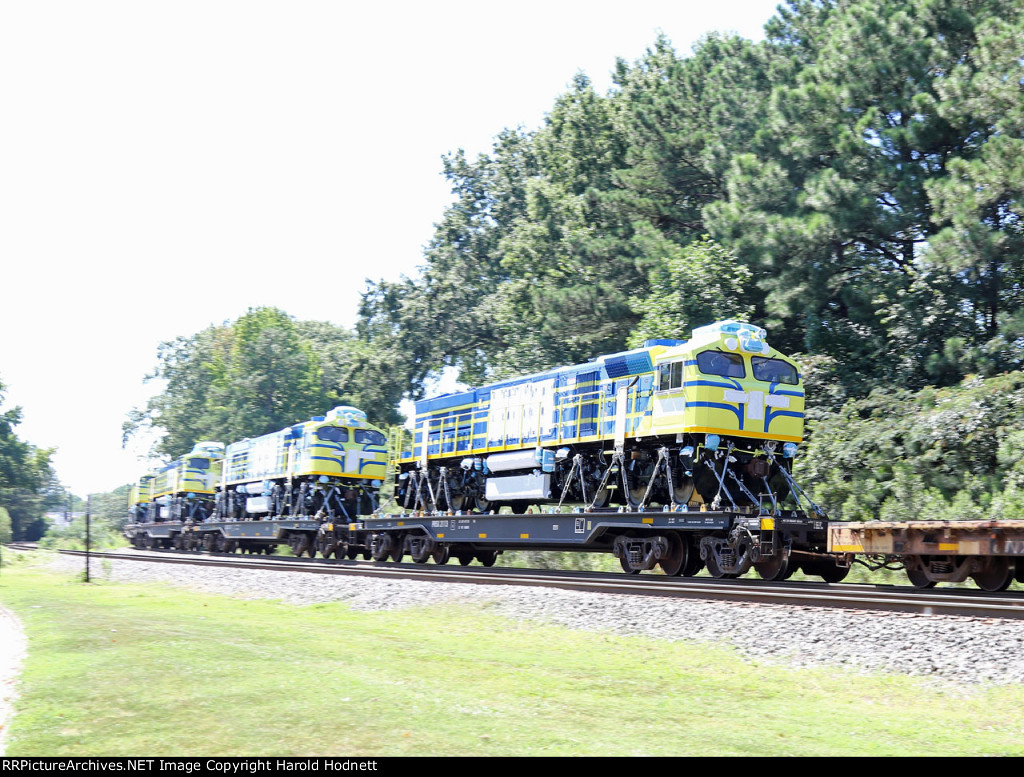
[[146, 670]]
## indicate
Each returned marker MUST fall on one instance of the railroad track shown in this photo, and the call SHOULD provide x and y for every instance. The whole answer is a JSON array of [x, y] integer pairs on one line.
[[953, 601]]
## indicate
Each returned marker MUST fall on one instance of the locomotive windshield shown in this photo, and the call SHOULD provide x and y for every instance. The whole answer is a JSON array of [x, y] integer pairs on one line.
[[774, 370], [199, 463], [369, 436], [332, 433], [728, 365]]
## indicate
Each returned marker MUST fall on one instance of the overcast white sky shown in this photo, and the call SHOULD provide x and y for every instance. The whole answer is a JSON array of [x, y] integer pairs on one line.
[[167, 165]]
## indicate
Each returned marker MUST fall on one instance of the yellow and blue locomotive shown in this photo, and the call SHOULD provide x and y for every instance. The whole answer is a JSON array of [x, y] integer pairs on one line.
[[330, 467], [183, 490], [713, 420]]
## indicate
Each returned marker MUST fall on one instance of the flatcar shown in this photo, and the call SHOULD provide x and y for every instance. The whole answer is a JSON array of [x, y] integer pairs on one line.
[[677, 455]]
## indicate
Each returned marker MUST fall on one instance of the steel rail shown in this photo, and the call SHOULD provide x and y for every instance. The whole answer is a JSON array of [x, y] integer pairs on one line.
[[956, 602]]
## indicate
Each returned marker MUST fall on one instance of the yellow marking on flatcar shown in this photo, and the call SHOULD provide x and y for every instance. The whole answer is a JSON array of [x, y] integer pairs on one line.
[[524, 536], [953, 546], [848, 548], [330, 527], [767, 524], [440, 536], [401, 523], [482, 536], [647, 520]]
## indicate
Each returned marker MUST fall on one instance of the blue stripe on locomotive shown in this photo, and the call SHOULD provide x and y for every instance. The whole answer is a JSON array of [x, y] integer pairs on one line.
[[593, 384]]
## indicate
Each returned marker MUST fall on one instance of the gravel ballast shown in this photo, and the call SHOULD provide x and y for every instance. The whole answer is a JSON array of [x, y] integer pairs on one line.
[[947, 648]]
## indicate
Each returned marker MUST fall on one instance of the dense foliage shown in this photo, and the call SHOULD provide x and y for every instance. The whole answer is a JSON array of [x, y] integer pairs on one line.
[[257, 375], [854, 183], [28, 484]]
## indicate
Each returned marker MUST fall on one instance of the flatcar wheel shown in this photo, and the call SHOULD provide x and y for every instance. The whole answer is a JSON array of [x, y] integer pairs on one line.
[[398, 549], [486, 557], [996, 575], [675, 562], [716, 571], [919, 579], [352, 552], [1018, 573], [341, 550], [826, 569], [441, 554], [382, 547], [626, 566], [422, 553], [693, 565], [778, 568], [465, 557]]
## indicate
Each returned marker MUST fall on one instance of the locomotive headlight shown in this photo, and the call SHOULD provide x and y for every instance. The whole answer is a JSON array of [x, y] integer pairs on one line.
[[730, 343], [789, 450]]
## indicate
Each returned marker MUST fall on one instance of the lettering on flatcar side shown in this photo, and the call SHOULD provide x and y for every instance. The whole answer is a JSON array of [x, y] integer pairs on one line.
[[1014, 547]]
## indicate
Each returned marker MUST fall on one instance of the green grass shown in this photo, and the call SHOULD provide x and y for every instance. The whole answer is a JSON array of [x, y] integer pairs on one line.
[[117, 669]]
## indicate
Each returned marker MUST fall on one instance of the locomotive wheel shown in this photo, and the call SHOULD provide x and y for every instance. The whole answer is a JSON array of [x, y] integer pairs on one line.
[[481, 505], [679, 551], [341, 550], [601, 499], [779, 568], [635, 485], [682, 492], [995, 575], [487, 557]]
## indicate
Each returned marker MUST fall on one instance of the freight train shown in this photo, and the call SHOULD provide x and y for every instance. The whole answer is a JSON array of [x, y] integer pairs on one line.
[[676, 455]]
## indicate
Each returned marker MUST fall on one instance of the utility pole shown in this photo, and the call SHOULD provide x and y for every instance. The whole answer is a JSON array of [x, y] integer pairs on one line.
[[88, 509]]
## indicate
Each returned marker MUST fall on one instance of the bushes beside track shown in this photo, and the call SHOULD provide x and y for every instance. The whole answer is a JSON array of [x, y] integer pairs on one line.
[[953, 453]]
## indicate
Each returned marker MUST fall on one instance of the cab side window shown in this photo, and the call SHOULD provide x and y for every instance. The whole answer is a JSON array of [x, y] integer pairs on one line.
[[670, 376], [727, 365]]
